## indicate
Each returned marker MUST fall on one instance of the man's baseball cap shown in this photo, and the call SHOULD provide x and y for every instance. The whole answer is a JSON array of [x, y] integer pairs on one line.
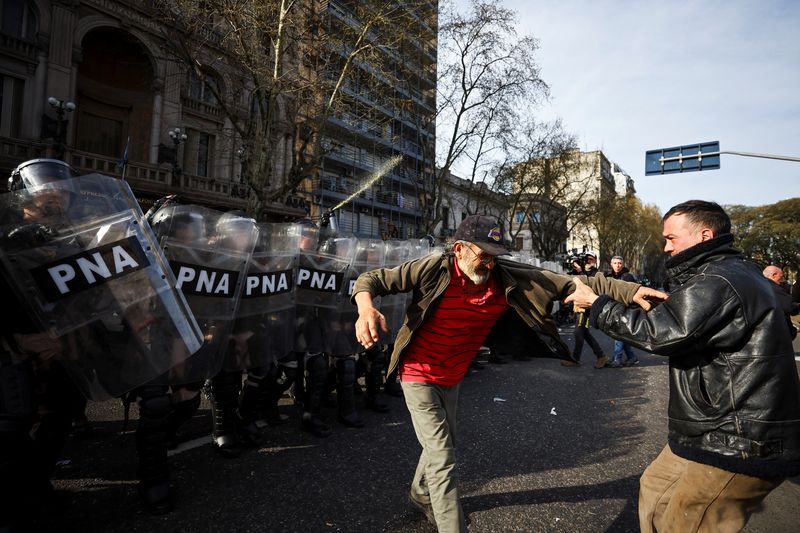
[[483, 231]]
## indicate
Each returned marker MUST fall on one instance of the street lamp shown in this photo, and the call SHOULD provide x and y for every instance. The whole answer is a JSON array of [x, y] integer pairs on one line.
[[62, 108], [178, 137]]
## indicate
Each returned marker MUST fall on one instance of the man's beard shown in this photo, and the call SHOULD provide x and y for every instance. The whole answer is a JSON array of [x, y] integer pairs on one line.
[[478, 274]]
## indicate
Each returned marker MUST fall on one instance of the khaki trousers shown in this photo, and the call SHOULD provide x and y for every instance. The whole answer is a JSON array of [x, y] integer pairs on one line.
[[433, 414], [682, 496]]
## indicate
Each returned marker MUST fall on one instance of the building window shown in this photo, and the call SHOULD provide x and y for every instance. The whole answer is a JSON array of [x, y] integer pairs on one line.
[[203, 153], [203, 90], [11, 100], [17, 19], [198, 153], [369, 226], [463, 216], [445, 218], [519, 243], [347, 220], [519, 217], [100, 135]]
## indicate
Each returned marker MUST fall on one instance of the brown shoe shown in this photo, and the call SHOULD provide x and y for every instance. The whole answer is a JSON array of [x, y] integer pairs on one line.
[[601, 361], [424, 508], [570, 363]]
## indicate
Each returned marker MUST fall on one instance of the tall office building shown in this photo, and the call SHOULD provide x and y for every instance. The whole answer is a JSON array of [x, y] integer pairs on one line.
[[391, 118]]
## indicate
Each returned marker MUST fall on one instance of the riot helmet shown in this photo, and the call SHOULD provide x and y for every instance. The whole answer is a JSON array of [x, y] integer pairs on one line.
[[309, 235], [48, 182], [35, 173], [180, 223], [235, 230], [164, 201], [428, 240]]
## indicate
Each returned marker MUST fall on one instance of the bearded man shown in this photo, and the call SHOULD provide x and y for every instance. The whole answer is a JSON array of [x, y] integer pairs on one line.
[[457, 298]]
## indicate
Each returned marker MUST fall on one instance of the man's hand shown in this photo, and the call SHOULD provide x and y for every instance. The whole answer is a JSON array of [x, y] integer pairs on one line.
[[39, 345], [583, 297], [370, 321], [645, 295]]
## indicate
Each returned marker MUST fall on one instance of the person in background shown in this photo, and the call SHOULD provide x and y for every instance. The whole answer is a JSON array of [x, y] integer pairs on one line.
[[582, 333], [782, 295], [620, 271]]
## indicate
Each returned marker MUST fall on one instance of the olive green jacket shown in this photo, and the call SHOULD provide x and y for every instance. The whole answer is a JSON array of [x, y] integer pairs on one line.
[[529, 290]]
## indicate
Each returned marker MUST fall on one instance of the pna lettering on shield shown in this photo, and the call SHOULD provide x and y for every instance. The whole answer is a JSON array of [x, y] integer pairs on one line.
[[204, 280], [68, 275], [319, 280]]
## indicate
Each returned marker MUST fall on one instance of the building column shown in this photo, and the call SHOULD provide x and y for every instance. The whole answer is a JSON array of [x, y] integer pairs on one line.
[[40, 79], [155, 126]]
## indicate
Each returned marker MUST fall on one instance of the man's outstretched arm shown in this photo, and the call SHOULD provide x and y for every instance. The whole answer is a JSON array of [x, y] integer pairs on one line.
[[370, 321]]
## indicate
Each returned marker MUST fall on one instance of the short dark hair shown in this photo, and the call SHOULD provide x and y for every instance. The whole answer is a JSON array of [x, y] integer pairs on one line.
[[701, 212]]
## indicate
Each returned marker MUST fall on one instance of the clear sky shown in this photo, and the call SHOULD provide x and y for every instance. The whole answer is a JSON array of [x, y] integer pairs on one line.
[[629, 76]]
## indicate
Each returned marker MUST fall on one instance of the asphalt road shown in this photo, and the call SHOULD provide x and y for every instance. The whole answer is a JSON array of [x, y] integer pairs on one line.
[[541, 448]]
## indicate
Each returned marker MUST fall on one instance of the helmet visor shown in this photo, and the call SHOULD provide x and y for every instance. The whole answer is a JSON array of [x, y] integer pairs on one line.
[[41, 173]]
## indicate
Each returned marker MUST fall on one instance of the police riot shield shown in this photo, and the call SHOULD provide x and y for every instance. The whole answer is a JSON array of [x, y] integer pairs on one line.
[[323, 263], [84, 263], [264, 327], [369, 255], [208, 252], [523, 257], [393, 306]]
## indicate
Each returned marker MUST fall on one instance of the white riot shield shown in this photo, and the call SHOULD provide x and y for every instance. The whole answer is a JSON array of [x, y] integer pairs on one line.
[[323, 263], [370, 254], [90, 272], [208, 252], [264, 328]]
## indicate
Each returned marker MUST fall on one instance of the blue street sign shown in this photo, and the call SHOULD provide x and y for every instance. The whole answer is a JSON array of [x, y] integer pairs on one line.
[[692, 157]]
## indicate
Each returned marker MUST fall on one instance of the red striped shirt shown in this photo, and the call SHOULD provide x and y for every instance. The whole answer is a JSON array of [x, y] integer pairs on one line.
[[442, 349]]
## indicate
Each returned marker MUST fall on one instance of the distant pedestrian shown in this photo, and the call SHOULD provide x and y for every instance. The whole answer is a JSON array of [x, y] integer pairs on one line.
[[734, 401], [582, 334], [620, 271], [782, 295]]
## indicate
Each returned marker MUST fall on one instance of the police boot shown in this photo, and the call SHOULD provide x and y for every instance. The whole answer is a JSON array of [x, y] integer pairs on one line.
[[316, 375], [298, 390], [182, 411], [224, 399], [279, 380], [152, 436], [362, 364], [328, 399], [55, 393], [373, 377], [249, 411], [346, 374]]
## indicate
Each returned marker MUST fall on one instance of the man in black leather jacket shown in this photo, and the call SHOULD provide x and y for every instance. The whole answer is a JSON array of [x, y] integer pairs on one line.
[[734, 405]]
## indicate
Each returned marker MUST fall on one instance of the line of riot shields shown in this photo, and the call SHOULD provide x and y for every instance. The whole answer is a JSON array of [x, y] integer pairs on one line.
[[531, 259], [191, 293]]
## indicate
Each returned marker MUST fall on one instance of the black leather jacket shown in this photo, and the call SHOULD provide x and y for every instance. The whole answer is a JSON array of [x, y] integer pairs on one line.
[[734, 396]]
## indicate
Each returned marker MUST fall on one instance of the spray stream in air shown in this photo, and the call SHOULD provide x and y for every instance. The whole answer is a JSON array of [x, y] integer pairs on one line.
[[380, 172]]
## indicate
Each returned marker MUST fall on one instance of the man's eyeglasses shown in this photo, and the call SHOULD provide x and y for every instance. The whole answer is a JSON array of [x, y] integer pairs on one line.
[[482, 257]]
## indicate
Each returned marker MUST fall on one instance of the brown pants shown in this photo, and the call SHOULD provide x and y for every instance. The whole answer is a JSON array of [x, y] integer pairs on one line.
[[678, 495]]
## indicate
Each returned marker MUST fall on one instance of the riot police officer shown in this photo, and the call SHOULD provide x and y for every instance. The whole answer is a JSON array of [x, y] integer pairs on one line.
[[33, 426]]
